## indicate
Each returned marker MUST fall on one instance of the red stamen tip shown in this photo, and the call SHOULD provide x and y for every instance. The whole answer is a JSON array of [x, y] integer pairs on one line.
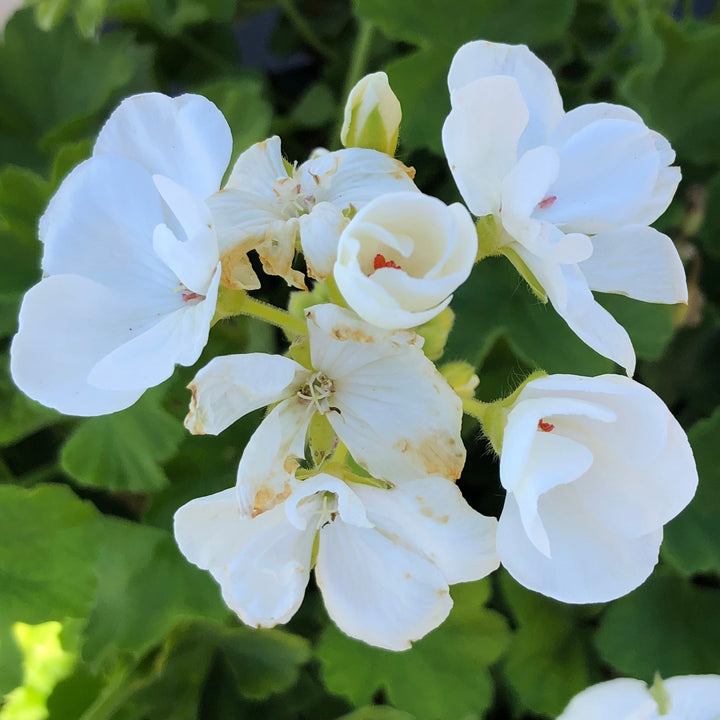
[[189, 295], [381, 262], [545, 426], [547, 202]]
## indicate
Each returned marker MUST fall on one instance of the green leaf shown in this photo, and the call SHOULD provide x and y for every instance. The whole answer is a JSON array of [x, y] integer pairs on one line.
[[444, 675], [439, 28], [48, 546], [377, 712], [63, 84], [692, 539], [667, 625], [88, 14], [677, 89], [21, 416], [548, 661], [495, 302], [146, 587], [123, 451]]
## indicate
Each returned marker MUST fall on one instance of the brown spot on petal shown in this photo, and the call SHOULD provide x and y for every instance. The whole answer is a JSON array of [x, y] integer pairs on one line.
[[194, 421], [344, 333], [267, 498], [438, 454], [236, 271]]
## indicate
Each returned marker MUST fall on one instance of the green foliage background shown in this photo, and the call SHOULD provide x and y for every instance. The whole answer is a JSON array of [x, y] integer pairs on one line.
[[86, 505]]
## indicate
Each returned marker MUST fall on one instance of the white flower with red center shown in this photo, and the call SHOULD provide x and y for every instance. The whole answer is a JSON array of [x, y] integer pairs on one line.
[[572, 193], [593, 468], [268, 206], [384, 399], [130, 258], [685, 697], [384, 559], [402, 256]]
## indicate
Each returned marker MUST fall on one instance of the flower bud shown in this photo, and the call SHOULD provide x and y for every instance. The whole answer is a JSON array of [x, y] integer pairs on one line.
[[400, 258], [372, 115]]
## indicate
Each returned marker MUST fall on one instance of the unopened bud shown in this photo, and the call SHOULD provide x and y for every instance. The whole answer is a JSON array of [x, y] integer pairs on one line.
[[372, 115]]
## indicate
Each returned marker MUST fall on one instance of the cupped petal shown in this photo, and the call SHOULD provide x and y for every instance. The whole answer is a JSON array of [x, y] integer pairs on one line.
[[261, 563], [537, 84], [258, 168], [619, 699], [430, 517], [608, 173], [186, 139], [100, 224], [376, 590], [231, 386], [694, 696], [150, 357], [354, 176], [580, 117], [395, 412], [67, 324], [636, 261], [480, 137], [265, 474], [319, 234], [588, 563], [192, 251]]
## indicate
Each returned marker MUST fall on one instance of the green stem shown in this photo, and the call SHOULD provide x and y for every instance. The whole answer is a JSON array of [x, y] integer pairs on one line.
[[475, 408], [356, 69], [273, 315], [333, 292], [305, 30]]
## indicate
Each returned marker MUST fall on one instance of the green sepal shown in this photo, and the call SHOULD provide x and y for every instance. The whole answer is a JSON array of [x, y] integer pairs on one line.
[[301, 300], [321, 439], [229, 303], [525, 272], [436, 333], [660, 695]]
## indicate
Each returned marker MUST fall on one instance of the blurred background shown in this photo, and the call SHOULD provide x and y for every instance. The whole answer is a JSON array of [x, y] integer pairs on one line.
[[100, 616]]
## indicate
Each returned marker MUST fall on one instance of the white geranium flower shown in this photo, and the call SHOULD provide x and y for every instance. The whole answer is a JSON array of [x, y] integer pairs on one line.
[[385, 558], [572, 193], [267, 206], [401, 257], [593, 468], [685, 697], [384, 399], [130, 259]]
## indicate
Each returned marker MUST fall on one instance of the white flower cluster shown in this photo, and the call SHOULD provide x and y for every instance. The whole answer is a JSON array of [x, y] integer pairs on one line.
[[352, 472]]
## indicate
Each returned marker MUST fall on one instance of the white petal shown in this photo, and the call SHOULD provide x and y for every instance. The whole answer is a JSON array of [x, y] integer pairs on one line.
[[191, 252], [185, 138], [582, 116], [354, 176], [150, 357], [695, 696], [231, 386], [262, 563], [636, 261], [480, 137], [319, 234], [397, 415], [258, 168], [588, 563], [608, 173], [377, 590], [537, 84], [431, 517], [265, 474], [619, 699], [100, 224], [67, 324]]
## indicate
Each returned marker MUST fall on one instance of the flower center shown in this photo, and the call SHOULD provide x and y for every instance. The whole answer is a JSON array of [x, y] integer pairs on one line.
[[317, 392], [545, 426], [293, 200], [381, 262]]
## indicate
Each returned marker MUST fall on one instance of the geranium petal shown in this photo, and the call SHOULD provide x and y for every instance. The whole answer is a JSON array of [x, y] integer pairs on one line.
[[480, 137], [395, 412], [619, 699], [376, 590], [262, 563], [537, 84], [186, 138], [67, 324], [694, 696], [431, 517], [636, 261], [258, 168], [231, 386], [319, 234], [588, 562]]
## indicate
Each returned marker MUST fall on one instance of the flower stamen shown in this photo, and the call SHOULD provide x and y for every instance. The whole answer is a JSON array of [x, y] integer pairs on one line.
[[545, 426], [317, 391], [381, 262]]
